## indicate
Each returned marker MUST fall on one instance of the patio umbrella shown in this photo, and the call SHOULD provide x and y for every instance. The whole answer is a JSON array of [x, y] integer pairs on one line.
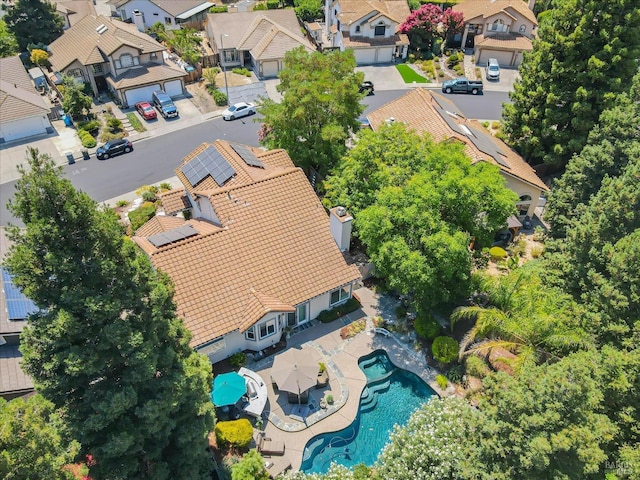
[[295, 371], [227, 389]]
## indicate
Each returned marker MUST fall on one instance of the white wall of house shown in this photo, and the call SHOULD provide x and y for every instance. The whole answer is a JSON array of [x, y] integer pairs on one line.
[[151, 14], [523, 189]]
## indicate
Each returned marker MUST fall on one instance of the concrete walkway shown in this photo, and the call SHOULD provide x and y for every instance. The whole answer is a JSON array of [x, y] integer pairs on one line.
[[346, 379]]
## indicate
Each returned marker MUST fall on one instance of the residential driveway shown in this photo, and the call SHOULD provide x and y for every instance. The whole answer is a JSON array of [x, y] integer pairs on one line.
[[384, 77], [508, 77], [247, 93]]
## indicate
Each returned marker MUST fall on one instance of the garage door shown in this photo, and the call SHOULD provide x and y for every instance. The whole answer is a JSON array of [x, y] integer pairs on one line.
[[142, 94], [23, 128], [504, 58], [270, 69], [173, 88], [385, 55], [365, 56]]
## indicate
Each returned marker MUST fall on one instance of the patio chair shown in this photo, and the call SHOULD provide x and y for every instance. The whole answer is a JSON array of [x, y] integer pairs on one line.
[[266, 446]]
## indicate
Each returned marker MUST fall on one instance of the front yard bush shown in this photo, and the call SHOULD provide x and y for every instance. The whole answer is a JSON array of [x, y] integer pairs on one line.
[[338, 311], [91, 126], [235, 433], [426, 326], [219, 97], [219, 9], [114, 125], [141, 215], [445, 349], [87, 139], [273, 4], [241, 71]]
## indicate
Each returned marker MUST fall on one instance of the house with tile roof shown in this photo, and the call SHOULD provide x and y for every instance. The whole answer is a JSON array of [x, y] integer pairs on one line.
[[428, 112], [171, 13], [113, 55], [23, 111], [14, 308], [500, 29], [256, 40], [258, 255], [368, 27]]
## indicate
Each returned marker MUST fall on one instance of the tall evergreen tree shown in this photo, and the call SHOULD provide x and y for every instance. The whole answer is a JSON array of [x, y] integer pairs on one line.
[[34, 22], [586, 52], [8, 44], [610, 146], [108, 349]]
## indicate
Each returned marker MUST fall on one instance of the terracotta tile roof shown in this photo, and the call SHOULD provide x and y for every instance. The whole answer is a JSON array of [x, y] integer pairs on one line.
[[354, 10], [274, 250], [143, 75], [174, 201], [505, 41], [472, 9], [12, 377], [359, 41], [75, 10], [274, 161], [422, 111], [83, 43], [259, 305], [159, 223], [18, 96], [236, 26]]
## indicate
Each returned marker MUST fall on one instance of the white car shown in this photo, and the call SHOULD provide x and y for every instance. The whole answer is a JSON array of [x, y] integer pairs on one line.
[[238, 110]]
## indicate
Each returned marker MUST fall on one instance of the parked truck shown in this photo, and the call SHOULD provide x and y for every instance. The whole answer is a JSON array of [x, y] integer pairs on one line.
[[462, 85]]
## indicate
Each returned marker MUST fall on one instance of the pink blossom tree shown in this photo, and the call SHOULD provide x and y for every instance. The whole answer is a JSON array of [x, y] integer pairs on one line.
[[430, 23]]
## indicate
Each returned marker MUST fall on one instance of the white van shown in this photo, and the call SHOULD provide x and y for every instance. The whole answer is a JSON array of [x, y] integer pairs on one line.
[[493, 69]]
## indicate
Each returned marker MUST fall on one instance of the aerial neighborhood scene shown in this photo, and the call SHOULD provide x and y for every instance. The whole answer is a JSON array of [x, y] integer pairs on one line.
[[320, 240]]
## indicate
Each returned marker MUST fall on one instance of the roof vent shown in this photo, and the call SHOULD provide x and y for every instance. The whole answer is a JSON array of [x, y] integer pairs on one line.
[[101, 28], [341, 211], [390, 120]]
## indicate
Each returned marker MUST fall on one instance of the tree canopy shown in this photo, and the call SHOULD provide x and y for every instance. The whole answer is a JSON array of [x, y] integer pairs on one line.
[[75, 102], [33, 22], [33, 441], [585, 53], [319, 108], [108, 349], [8, 43]]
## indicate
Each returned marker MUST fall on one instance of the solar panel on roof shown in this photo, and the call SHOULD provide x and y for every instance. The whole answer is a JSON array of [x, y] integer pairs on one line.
[[247, 155], [450, 121], [209, 162], [483, 143], [19, 307], [445, 104], [174, 235]]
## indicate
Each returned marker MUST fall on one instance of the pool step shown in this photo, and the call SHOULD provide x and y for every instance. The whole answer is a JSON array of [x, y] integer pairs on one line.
[[371, 404], [379, 387], [311, 449], [368, 362]]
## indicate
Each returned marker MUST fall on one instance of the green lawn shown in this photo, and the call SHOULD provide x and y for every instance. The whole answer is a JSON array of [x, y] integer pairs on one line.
[[409, 75]]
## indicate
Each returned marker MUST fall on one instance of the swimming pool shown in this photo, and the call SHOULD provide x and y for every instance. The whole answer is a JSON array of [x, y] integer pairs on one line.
[[390, 396]]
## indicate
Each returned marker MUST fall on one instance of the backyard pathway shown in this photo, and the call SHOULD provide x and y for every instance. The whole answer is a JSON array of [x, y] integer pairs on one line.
[[346, 380]]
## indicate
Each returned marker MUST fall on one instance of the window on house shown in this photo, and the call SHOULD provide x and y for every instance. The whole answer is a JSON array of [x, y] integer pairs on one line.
[[156, 14], [267, 328], [250, 334], [127, 60], [379, 31], [230, 55], [76, 73], [340, 295], [357, 28], [291, 319], [523, 28], [153, 55], [97, 69], [167, 20]]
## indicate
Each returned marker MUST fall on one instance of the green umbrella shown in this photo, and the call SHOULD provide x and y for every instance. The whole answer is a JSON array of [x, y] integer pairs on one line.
[[227, 389]]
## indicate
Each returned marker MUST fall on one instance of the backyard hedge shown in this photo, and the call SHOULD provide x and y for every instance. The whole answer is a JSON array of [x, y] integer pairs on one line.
[[235, 433]]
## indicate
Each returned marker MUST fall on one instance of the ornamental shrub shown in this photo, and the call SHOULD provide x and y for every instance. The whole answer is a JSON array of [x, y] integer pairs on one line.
[[445, 349], [219, 9], [219, 97], [87, 139], [141, 215], [476, 367], [235, 433], [426, 326], [442, 381], [238, 359], [273, 4], [497, 253], [92, 126], [259, 6]]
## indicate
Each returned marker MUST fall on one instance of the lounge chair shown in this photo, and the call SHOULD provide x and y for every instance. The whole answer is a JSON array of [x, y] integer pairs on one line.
[[266, 446]]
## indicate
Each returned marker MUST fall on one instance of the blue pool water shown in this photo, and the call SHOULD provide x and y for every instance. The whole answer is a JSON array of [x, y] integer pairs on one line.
[[390, 397]]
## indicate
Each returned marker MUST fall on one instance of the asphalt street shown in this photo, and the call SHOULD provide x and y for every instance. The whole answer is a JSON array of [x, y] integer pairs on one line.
[[155, 159]]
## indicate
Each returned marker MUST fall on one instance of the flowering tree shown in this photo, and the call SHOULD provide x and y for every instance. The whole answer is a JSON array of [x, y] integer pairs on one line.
[[430, 23]]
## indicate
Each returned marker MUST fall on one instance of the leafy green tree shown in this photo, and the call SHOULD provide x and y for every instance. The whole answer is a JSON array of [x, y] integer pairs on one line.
[[8, 43], [318, 110], [610, 146], [33, 441], [33, 21], [308, 10], [159, 30], [39, 57], [433, 445], [74, 101], [250, 467], [547, 423], [535, 321], [586, 52], [108, 350]]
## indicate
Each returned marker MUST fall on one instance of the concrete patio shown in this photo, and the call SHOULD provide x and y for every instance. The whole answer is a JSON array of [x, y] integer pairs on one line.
[[296, 426]]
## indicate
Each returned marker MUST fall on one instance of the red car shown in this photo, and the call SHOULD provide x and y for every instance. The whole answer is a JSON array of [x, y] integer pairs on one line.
[[146, 110]]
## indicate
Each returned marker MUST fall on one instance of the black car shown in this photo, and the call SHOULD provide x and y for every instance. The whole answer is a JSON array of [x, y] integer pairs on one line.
[[114, 147], [366, 87]]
